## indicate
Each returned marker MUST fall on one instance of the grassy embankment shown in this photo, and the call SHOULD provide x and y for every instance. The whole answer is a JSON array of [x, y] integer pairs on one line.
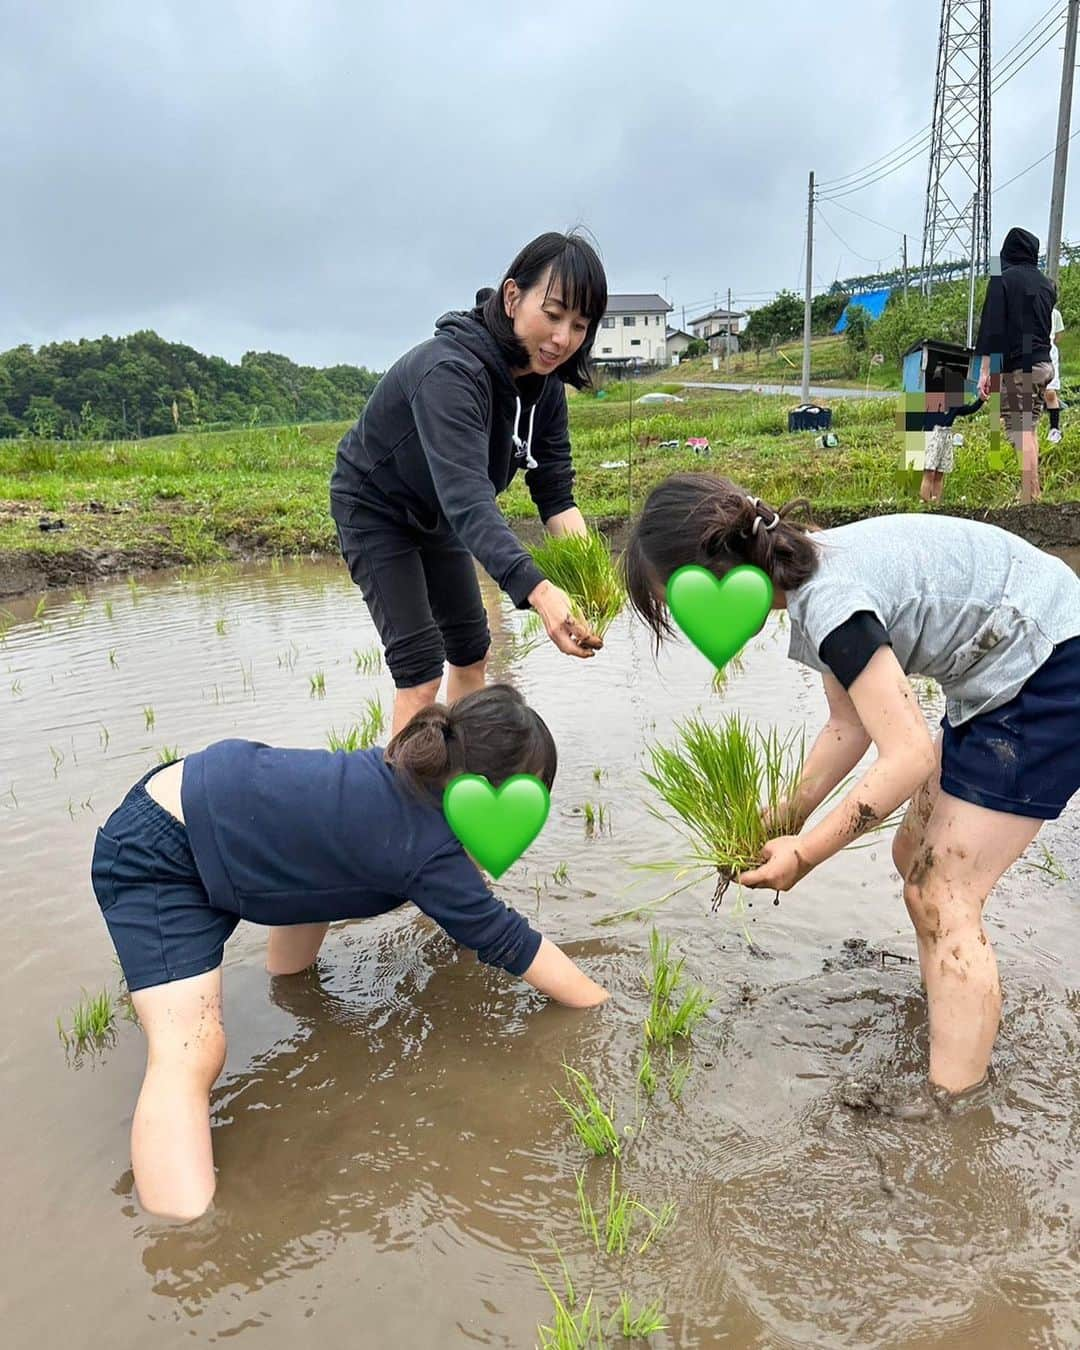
[[198, 498]]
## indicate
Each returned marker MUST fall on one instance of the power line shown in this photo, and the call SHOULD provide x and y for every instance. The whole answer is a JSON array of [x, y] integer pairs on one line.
[[861, 256], [1051, 151], [1007, 68]]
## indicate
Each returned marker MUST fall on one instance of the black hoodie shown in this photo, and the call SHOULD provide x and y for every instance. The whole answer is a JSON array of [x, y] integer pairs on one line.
[[445, 430], [1015, 322]]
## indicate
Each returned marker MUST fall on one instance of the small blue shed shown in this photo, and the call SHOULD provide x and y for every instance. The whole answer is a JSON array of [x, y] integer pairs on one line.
[[926, 363]]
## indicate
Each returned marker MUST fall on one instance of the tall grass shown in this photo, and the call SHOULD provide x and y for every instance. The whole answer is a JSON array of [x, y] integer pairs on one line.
[[717, 780]]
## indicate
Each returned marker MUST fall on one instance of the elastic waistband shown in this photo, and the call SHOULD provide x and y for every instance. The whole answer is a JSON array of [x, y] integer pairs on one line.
[[151, 816]]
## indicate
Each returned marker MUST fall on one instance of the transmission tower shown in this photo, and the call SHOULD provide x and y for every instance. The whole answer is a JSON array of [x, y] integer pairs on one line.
[[958, 183]]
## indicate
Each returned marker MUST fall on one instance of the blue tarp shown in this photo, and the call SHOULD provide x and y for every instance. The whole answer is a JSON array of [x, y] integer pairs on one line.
[[873, 302]]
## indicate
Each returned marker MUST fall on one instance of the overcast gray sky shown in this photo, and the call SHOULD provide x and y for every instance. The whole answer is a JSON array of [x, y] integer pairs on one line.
[[324, 179]]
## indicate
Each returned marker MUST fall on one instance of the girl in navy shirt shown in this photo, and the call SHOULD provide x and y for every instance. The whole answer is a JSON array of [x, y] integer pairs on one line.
[[295, 839]]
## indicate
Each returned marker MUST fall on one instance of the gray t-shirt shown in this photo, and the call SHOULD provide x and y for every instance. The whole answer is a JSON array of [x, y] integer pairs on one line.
[[968, 604]]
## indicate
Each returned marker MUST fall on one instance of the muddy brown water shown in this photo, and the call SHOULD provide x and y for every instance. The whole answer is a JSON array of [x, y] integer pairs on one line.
[[391, 1156]]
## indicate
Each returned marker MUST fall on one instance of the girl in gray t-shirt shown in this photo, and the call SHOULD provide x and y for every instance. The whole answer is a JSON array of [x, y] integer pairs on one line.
[[994, 620]]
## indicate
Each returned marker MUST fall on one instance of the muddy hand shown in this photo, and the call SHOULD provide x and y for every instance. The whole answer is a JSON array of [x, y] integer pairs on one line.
[[562, 625], [782, 866]]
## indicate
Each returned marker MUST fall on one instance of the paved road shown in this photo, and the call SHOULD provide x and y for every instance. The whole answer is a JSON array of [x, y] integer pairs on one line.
[[819, 393]]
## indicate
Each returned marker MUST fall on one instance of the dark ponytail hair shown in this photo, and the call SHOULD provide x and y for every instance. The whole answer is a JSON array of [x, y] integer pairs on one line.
[[575, 267], [491, 731], [700, 518]]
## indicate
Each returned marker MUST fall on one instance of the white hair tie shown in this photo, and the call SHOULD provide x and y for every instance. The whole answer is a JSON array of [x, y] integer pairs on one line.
[[755, 502]]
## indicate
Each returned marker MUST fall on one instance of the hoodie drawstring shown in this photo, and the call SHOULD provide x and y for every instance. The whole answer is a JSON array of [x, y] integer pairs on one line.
[[522, 446]]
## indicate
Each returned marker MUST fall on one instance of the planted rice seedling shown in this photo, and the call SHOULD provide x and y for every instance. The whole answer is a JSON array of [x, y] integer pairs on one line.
[[39, 610], [570, 1330], [133, 586], [592, 1124], [79, 599], [361, 735], [108, 607], [112, 658], [638, 1325], [368, 661], [103, 736], [57, 760], [247, 677], [287, 658], [318, 685], [221, 627], [561, 875], [149, 717], [717, 780], [646, 1074], [679, 1074], [582, 566], [168, 754], [660, 1223], [736, 666], [16, 688], [669, 1020], [92, 1022], [9, 800], [619, 1219]]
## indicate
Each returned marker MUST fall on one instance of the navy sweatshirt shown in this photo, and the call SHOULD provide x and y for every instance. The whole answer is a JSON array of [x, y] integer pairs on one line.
[[1015, 319], [435, 445], [309, 836]]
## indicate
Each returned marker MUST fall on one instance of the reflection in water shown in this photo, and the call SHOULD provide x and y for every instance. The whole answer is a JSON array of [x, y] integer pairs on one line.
[[390, 1150]]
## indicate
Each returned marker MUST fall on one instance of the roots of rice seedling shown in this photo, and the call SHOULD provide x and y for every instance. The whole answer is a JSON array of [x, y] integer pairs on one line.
[[582, 566]]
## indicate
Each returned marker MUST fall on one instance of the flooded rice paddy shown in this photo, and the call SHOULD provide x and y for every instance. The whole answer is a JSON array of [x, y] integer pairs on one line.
[[392, 1158]]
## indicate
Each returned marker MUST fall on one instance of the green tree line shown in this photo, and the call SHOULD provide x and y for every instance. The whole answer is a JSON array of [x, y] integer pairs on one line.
[[131, 387]]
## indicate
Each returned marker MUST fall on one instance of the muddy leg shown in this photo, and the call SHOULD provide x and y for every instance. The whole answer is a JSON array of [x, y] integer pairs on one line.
[[908, 839], [171, 1153], [965, 850]]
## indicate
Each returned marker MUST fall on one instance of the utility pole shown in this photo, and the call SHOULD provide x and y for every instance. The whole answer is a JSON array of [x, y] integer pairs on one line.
[[809, 291], [727, 329], [667, 278], [1061, 158], [905, 268], [971, 281]]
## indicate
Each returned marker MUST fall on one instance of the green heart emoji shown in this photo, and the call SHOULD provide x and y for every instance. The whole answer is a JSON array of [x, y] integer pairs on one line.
[[719, 616], [496, 827]]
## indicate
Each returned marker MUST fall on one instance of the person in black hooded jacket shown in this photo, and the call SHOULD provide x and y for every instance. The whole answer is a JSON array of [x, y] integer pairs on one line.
[[1015, 328], [414, 487]]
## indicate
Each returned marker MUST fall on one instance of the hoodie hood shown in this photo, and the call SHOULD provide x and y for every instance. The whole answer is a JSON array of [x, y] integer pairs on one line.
[[1020, 249], [466, 328]]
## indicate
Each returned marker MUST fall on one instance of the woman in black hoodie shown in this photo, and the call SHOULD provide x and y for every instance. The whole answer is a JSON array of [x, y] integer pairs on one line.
[[446, 429], [1014, 337]]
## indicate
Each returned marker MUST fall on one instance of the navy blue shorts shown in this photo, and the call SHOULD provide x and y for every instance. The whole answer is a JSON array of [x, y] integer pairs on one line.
[[1023, 757], [155, 905]]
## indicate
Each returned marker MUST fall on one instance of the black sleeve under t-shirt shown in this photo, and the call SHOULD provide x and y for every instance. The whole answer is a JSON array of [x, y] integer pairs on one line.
[[848, 649]]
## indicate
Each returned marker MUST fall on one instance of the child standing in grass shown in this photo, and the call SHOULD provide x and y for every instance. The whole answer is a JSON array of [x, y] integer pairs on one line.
[[295, 839], [995, 621]]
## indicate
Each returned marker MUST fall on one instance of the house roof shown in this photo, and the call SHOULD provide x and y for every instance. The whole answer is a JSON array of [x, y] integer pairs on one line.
[[719, 314], [638, 304], [678, 332]]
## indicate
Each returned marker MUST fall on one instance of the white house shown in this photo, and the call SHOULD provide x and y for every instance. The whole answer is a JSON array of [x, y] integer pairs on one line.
[[634, 328], [677, 342], [718, 327]]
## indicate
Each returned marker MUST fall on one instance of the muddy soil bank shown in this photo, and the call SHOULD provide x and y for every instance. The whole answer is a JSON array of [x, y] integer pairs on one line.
[[1052, 526]]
